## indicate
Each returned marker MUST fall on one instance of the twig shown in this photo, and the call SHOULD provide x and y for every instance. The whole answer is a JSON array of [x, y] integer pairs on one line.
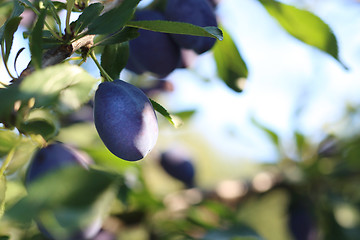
[[57, 55]]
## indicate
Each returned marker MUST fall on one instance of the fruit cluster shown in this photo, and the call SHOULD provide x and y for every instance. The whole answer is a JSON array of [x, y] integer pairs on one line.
[[160, 53], [124, 116]]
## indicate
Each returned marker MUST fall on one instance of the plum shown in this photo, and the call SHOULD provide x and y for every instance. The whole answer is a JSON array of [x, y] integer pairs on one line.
[[53, 157], [301, 218], [179, 166], [125, 120], [49, 159], [197, 12], [153, 52]]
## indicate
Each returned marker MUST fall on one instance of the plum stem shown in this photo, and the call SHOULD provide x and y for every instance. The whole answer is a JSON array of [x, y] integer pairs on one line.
[[102, 70]]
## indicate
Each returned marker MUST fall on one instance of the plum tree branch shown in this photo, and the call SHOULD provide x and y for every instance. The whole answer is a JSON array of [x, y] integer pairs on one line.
[[57, 55]]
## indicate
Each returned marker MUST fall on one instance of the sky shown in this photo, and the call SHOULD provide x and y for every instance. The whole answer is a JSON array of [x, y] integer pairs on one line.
[[284, 75]]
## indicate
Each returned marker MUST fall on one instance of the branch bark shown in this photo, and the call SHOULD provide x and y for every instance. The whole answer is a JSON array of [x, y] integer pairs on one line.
[[57, 55]]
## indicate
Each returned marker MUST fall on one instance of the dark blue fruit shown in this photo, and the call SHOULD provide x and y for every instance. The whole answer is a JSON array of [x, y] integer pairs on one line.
[[125, 120], [179, 166], [301, 219], [50, 159], [197, 12], [53, 157], [153, 51]]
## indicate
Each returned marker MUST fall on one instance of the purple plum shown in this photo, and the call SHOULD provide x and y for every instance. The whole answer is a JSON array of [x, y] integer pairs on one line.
[[153, 52], [125, 120], [196, 12], [53, 157], [179, 166], [302, 219]]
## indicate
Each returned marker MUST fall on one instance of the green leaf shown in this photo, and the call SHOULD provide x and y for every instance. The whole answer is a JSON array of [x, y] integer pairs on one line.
[[30, 5], [69, 7], [17, 11], [71, 190], [4, 237], [5, 7], [160, 109], [233, 233], [271, 134], [64, 86], [59, 5], [196, 218], [50, 42], [126, 34], [23, 146], [304, 26], [10, 29], [41, 121], [53, 11], [114, 58], [2, 194], [85, 136], [177, 28], [114, 19], [8, 97], [300, 143], [185, 115], [8, 139], [88, 15], [22, 155], [48, 39], [36, 40], [231, 67], [107, 160]]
